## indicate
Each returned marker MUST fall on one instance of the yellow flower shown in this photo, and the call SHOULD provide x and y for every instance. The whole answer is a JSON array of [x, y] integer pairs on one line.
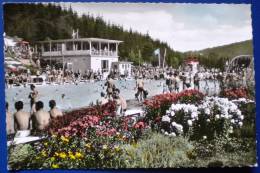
[[43, 153], [62, 155], [78, 155], [117, 148], [55, 166], [56, 154], [45, 144], [88, 145], [54, 136], [72, 156], [52, 159], [64, 139], [104, 147]]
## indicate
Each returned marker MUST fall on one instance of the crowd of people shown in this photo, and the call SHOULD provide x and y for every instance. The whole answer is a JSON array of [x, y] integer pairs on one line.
[[173, 81], [35, 119]]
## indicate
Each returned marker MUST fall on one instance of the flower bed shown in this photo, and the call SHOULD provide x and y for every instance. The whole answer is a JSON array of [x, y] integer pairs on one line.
[[70, 117], [157, 105], [95, 138], [236, 93], [212, 118]]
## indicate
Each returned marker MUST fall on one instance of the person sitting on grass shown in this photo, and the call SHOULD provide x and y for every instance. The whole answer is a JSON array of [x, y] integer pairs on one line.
[[54, 111], [21, 118], [41, 118]]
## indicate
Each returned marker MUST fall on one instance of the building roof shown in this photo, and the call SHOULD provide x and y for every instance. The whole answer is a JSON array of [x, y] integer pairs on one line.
[[83, 39]]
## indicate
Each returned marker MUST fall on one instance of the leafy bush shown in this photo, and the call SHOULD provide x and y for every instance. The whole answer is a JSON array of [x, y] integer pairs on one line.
[[19, 156], [158, 151]]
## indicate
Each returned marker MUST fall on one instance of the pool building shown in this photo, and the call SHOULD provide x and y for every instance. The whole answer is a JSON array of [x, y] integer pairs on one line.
[[81, 54]]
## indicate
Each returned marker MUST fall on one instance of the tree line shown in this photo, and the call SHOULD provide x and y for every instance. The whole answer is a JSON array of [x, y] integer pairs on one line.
[[35, 22]]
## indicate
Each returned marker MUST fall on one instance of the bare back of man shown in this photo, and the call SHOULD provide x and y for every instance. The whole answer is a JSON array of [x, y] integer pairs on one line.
[[22, 120], [42, 119], [55, 112]]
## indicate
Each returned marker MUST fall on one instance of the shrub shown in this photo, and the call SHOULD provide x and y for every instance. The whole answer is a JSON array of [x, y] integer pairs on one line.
[[19, 156], [158, 151]]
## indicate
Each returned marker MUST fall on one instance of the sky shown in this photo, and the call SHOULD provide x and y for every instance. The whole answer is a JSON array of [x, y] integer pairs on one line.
[[184, 27]]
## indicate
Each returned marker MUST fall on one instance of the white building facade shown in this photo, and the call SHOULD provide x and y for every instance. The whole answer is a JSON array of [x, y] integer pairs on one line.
[[123, 68], [81, 54]]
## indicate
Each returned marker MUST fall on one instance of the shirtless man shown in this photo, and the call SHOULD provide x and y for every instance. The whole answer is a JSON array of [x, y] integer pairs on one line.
[[41, 118], [140, 88], [21, 118], [54, 111], [9, 121], [110, 86], [33, 98], [120, 101]]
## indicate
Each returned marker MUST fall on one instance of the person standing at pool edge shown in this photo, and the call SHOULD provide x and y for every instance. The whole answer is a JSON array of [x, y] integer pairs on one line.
[[140, 88], [33, 98], [110, 86]]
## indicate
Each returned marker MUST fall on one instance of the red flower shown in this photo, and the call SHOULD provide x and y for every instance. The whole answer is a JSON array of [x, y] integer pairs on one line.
[[139, 125]]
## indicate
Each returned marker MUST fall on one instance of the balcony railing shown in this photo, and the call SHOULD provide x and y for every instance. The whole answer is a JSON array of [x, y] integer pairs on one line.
[[80, 52]]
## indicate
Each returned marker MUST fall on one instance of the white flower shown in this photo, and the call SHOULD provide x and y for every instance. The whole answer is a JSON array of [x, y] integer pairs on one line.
[[208, 120], [172, 113], [189, 122], [241, 117], [207, 111], [166, 133], [240, 124], [204, 137], [217, 116], [168, 112], [172, 134], [194, 115], [232, 121], [166, 118], [230, 131]]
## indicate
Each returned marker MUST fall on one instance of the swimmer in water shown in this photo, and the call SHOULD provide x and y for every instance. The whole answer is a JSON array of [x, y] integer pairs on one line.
[[62, 96]]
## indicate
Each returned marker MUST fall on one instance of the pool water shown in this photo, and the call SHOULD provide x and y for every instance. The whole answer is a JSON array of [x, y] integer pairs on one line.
[[83, 94]]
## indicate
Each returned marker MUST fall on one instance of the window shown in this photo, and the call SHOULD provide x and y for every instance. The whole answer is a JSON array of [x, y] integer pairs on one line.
[[104, 64]]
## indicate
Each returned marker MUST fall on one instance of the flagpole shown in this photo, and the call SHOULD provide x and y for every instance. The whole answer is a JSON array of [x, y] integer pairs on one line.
[[159, 56], [164, 57], [139, 56]]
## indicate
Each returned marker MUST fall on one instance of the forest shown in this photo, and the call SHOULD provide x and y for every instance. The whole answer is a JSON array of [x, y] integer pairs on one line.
[[37, 22]]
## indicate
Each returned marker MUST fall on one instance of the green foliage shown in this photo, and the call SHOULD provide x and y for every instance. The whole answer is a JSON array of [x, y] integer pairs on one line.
[[158, 151], [248, 129], [224, 152], [19, 156]]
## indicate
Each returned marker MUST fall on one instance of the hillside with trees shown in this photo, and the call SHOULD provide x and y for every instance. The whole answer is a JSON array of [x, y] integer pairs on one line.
[[217, 56], [37, 22]]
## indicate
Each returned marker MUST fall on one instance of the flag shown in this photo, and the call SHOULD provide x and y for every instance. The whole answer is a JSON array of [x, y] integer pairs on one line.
[[157, 52]]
